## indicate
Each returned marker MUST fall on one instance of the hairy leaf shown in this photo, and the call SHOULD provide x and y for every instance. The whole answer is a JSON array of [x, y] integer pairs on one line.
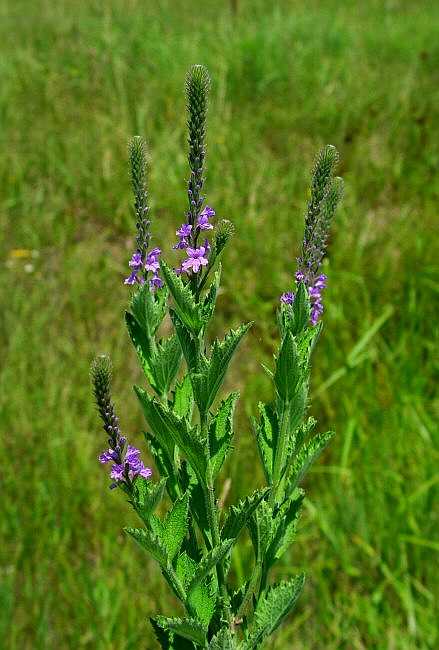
[[271, 610], [186, 342], [287, 374], [223, 640], [188, 310], [182, 402], [146, 497], [163, 457], [150, 543], [240, 514], [166, 424], [207, 382], [210, 561], [305, 458], [260, 526], [221, 432], [285, 527], [188, 628], [169, 640], [172, 531]]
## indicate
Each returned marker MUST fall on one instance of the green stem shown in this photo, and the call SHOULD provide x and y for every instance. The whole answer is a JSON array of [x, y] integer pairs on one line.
[[213, 522], [279, 457]]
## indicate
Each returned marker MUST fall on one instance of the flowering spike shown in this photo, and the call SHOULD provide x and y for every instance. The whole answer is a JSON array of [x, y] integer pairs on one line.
[[326, 193], [197, 91], [127, 466]]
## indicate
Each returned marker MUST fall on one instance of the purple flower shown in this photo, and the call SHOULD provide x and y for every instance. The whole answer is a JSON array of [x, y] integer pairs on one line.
[[203, 219], [151, 264], [184, 232], [195, 259], [129, 463], [287, 298]]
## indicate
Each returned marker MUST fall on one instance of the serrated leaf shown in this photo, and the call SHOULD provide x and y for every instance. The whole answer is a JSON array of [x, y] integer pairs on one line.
[[208, 380], [172, 531], [301, 311], [305, 458], [166, 363], [160, 364], [202, 600], [146, 497], [267, 436], [188, 628], [187, 344], [287, 374], [260, 527], [209, 561], [166, 424], [148, 307], [182, 403], [188, 310], [185, 568], [169, 640], [271, 610], [285, 527], [150, 543], [240, 514], [223, 640], [197, 501], [221, 432], [163, 457], [209, 301]]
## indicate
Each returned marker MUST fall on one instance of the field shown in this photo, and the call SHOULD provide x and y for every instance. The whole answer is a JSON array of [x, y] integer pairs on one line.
[[80, 78]]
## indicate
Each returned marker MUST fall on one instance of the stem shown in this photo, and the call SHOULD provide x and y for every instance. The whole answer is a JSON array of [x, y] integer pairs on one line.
[[279, 457], [213, 523]]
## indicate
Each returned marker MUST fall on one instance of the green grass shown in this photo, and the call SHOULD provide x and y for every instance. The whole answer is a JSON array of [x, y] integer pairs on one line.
[[78, 79]]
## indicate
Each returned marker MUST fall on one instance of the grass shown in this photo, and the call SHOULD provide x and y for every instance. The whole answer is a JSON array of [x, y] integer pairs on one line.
[[78, 79]]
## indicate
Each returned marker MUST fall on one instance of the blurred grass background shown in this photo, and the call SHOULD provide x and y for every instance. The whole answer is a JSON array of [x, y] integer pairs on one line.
[[78, 79]]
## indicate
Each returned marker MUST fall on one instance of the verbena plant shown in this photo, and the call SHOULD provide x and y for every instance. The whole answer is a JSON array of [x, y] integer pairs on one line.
[[190, 431]]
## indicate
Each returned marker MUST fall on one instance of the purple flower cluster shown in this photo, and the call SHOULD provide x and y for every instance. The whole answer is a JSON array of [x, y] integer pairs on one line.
[[125, 463], [197, 256], [314, 291], [141, 267]]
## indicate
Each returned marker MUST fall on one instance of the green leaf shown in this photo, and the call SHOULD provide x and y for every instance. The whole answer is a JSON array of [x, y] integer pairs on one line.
[[160, 364], [170, 641], [260, 527], [163, 454], [150, 543], [185, 568], [209, 561], [267, 436], [306, 458], [202, 600], [287, 374], [187, 344], [182, 403], [166, 363], [221, 432], [240, 514], [223, 640], [149, 308], [188, 628], [271, 610], [208, 304], [146, 497], [172, 531], [301, 312], [188, 310], [166, 424], [285, 529], [207, 382]]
